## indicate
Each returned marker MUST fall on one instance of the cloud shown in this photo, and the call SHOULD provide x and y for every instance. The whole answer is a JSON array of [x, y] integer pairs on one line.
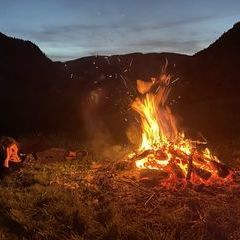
[[167, 44], [76, 40], [70, 31]]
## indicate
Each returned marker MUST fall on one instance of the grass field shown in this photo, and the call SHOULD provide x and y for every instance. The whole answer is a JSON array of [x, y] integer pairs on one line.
[[105, 200]]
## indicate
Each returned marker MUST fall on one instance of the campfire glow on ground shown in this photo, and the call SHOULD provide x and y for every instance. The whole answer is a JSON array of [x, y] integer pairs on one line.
[[166, 149]]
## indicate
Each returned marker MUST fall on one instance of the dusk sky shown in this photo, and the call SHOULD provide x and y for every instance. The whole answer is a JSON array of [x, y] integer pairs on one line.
[[68, 29]]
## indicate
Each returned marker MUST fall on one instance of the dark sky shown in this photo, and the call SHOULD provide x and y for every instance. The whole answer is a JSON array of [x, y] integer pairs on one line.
[[67, 29]]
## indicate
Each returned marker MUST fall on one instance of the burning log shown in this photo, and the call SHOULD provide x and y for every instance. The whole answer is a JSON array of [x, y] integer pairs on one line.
[[178, 171], [190, 167], [182, 167], [160, 155], [179, 154], [141, 155]]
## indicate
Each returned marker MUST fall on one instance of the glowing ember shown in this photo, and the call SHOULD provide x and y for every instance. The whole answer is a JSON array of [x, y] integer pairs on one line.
[[163, 147]]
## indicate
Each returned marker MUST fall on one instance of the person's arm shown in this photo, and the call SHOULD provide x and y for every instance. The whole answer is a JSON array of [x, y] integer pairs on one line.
[[12, 155], [7, 159]]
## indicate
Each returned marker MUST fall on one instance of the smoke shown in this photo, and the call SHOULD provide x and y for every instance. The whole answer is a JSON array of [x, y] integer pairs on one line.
[[100, 138], [103, 145]]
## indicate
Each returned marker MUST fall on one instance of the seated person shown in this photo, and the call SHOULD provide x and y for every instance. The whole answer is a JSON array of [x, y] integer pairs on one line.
[[9, 153]]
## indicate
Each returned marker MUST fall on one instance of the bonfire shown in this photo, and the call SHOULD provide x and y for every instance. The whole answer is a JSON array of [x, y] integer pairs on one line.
[[166, 149]]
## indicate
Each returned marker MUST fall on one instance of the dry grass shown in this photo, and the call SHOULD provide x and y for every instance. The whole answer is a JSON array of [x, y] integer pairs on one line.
[[71, 200]]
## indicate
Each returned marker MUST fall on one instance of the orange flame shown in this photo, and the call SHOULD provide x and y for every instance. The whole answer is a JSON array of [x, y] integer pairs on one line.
[[163, 146]]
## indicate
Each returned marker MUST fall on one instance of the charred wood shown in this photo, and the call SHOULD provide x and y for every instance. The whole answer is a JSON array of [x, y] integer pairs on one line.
[[204, 174], [222, 170], [190, 167]]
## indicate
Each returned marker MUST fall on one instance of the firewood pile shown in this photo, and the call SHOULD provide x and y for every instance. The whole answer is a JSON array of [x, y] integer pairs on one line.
[[195, 166]]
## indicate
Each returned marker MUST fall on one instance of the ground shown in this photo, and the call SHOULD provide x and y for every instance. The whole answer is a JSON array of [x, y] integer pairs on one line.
[[103, 198]]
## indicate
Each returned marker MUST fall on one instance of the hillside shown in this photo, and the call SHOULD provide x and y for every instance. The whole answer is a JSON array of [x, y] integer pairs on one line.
[[31, 88], [211, 87], [92, 94]]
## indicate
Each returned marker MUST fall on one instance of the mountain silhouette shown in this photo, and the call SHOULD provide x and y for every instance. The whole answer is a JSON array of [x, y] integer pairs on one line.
[[90, 93], [31, 88], [211, 87]]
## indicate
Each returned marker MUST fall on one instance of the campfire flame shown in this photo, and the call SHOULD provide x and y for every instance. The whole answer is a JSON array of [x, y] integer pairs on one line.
[[165, 148]]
